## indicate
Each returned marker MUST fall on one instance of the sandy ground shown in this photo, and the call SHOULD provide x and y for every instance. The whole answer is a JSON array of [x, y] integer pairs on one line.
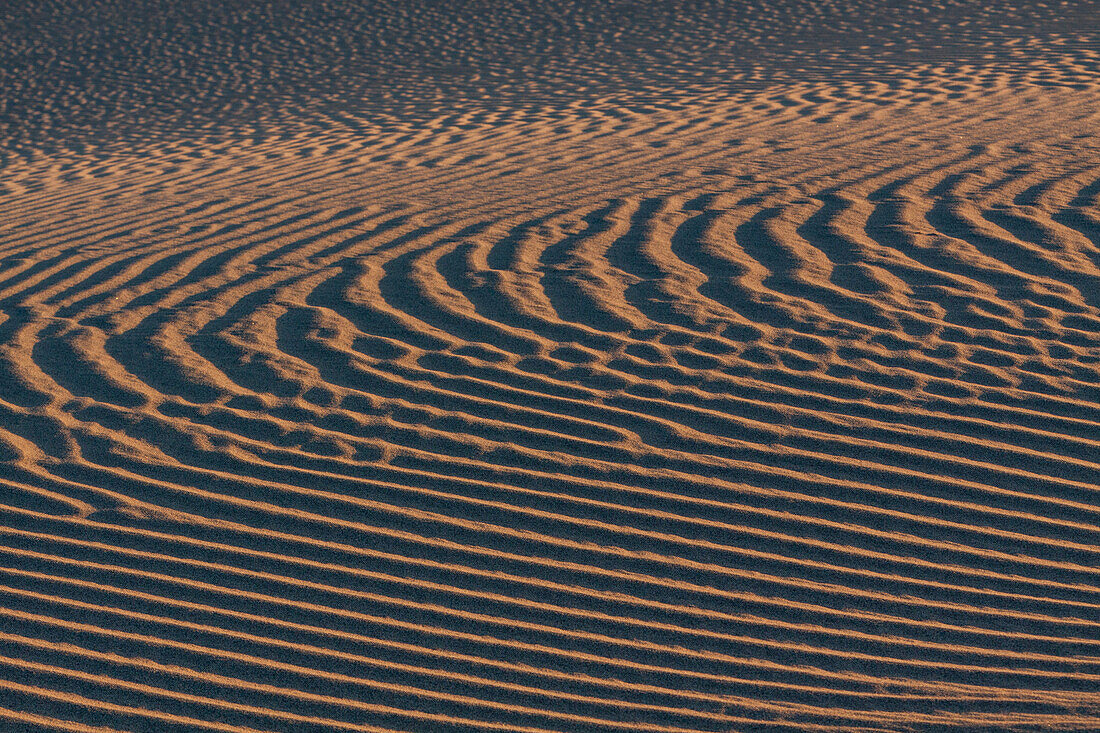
[[549, 366]]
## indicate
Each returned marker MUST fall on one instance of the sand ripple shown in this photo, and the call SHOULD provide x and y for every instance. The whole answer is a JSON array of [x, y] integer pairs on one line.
[[768, 409]]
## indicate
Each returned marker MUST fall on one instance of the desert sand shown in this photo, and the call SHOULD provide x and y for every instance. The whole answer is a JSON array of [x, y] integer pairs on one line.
[[522, 365]]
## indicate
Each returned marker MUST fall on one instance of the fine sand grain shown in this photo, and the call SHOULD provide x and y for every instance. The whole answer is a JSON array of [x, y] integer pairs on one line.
[[549, 366]]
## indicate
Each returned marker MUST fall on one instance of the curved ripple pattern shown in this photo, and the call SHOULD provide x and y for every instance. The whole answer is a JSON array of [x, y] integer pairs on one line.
[[566, 419]]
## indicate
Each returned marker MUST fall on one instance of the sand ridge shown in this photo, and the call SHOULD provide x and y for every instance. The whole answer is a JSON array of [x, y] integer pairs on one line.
[[566, 381]]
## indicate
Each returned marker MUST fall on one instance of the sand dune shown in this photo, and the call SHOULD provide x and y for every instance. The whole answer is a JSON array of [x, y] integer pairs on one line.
[[683, 366]]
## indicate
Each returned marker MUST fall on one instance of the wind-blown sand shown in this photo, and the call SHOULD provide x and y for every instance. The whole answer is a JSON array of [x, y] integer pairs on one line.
[[549, 366]]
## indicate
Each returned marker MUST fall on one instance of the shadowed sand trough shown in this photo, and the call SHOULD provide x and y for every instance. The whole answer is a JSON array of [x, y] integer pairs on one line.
[[685, 366]]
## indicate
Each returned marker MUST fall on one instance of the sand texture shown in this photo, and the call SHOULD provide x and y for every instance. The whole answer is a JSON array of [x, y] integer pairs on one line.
[[535, 366]]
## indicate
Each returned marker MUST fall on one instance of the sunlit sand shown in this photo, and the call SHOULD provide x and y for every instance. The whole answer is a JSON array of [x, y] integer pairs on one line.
[[549, 366]]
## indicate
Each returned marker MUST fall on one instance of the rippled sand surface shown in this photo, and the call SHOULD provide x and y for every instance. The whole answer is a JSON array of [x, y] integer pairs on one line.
[[549, 366]]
